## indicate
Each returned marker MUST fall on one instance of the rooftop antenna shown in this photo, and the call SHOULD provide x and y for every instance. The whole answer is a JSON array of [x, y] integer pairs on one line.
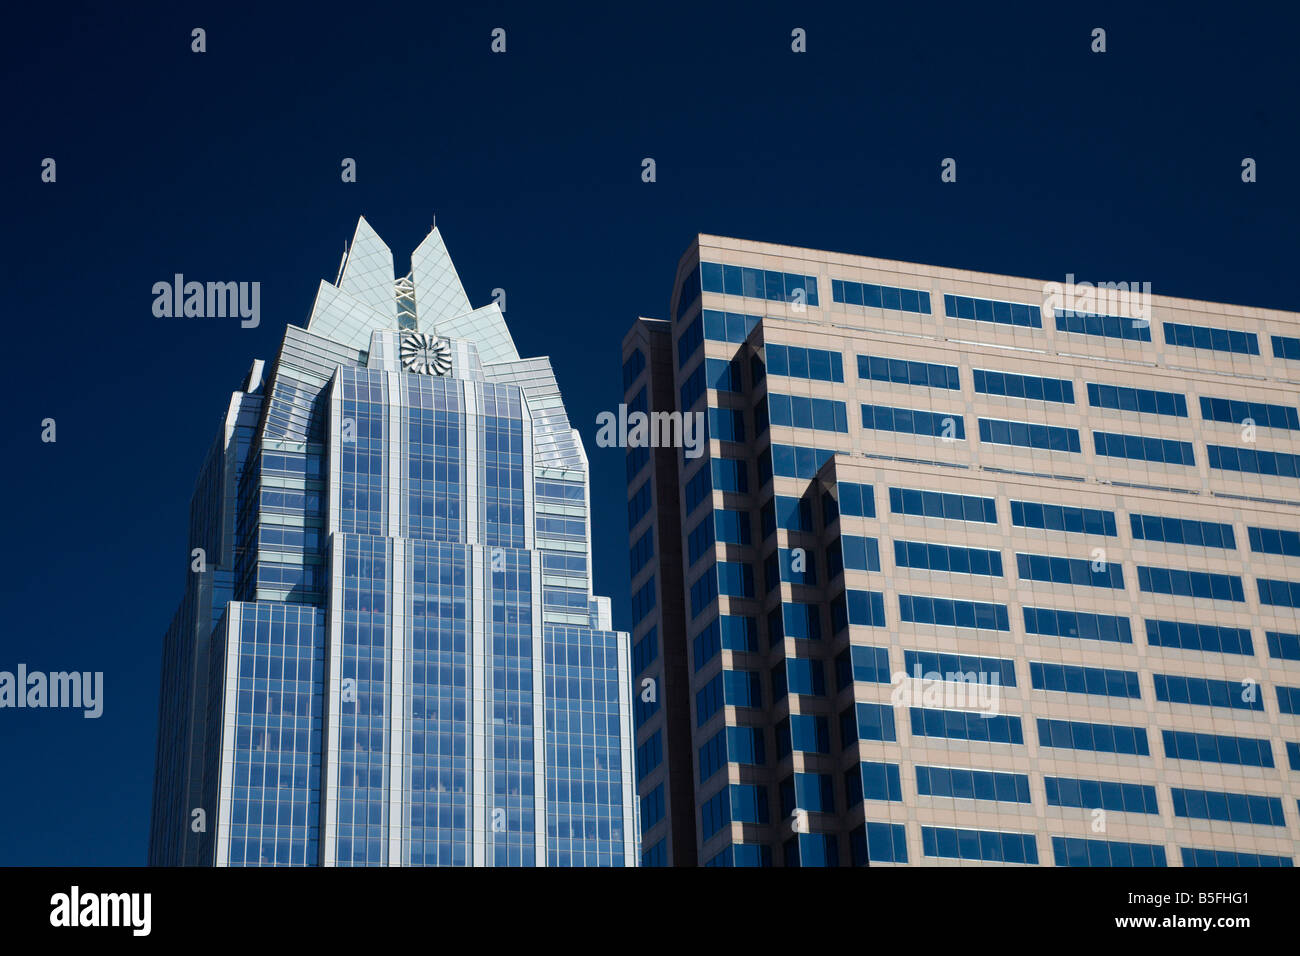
[[342, 262]]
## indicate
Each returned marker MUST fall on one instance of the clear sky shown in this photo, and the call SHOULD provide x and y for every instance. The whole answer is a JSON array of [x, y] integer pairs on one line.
[[226, 166]]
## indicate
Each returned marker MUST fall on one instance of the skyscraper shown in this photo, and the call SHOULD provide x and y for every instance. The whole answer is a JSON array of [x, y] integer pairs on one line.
[[973, 570], [388, 651]]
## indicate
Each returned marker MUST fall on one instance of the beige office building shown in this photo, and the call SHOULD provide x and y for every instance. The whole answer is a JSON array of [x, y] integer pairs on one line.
[[973, 570]]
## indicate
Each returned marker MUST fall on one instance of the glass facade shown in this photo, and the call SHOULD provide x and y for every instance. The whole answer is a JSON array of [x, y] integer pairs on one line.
[[389, 651]]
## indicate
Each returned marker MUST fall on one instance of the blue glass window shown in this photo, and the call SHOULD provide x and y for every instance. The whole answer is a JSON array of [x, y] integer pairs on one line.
[[649, 755], [1029, 435], [689, 342], [735, 579], [796, 361], [856, 500], [728, 326], [972, 784], [1227, 458], [1042, 567], [880, 296], [1146, 400], [730, 474], [990, 846], [805, 733], [722, 375], [865, 608], [859, 662], [633, 366], [742, 688], [946, 612], [1100, 738], [1199, 637], [1090, 794], [1080, 624], [642, 551], [745, 745], [1231, 807], [758, 283], [1220, 587], [1274, 541], [727, 424], [860, 554], [1283, 646], [913, 421], [872, 781], [638, 505], [1196, 857], [645, 651], [698, 487], [652, 808], [643, 601], [905, 372], [704, 591], [1261, 413], [748, 803], [1029, 514], [1034, 387], [1166, 451], [1203, 534], [990, 310], [967, 667], [797, 411], [879, 843], [1286, 347], [865, 721], [1074, 679], [1216, 340], [802, 676], [966, 725], [951, 558], [937, 504], [1077, 851], [1109, 326], [1205, 691], [797, 461]]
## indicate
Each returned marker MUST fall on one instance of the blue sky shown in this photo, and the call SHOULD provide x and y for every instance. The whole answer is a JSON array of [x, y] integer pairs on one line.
[[225, 166]]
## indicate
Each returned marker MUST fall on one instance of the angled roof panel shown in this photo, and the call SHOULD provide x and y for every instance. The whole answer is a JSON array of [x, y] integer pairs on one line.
[[438, 292], [485, 327], [368, 272], [345, 318]]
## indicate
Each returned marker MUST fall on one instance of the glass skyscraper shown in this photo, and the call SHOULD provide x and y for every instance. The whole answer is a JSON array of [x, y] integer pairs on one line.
[[388, 651], [962, 578]]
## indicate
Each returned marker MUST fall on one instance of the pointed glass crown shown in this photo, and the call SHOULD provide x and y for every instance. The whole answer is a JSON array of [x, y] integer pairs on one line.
[[430, 298]]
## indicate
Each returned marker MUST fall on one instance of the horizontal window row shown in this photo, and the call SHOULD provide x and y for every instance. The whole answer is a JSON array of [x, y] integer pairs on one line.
[[880, 296], [795, 361], [904, 372], [990, 310], [940, 504], [1033, 387], [797, 411], [758, 283]]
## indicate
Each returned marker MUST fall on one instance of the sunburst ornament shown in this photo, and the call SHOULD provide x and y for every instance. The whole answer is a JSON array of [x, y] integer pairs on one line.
[[425, 354]]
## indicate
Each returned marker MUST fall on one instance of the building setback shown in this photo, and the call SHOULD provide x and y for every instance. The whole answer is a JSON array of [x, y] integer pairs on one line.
[[1076, 532], [388, 651]]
